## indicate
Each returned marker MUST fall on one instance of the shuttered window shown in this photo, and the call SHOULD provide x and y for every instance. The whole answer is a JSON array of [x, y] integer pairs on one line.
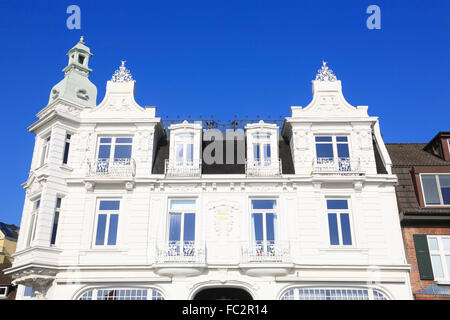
[[423, 257]]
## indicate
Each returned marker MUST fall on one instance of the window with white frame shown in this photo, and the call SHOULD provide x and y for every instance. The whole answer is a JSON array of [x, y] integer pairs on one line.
[[107, 223], [55, 221], [122, 294], [262, 149], [439, 247], [33, 221], [339, 222], [333, 294], [113, 150], [184, 150], [45, 150], [66, 148], [28, 292], [334, 151], [181, 235], [436, 189], [264, 225], [3, 292]]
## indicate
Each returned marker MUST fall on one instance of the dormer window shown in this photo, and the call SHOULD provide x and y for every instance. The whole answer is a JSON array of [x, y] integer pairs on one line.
[[332, 153], [184, 150], [436, 189], [262, 150]]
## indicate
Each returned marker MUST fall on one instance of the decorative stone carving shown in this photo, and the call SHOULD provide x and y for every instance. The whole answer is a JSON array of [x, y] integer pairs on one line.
[[224, 216], [129, 185], [325, 74], [122, 74], [89, 185], [39, 279]]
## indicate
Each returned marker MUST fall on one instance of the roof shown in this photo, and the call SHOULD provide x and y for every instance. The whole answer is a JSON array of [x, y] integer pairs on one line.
[[9, 230], [404, 157]]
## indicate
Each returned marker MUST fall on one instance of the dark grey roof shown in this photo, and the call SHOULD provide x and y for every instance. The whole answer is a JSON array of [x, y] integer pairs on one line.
[[9, 230], [413, 154]]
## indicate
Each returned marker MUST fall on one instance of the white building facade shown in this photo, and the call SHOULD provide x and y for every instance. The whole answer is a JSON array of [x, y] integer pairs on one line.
[[118, 206]]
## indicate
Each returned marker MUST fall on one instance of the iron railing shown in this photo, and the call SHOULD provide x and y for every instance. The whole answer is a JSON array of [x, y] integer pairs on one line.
[[340, 166], [266, 251], [263, 168], [174, 169], [116, 168], [181, 251]]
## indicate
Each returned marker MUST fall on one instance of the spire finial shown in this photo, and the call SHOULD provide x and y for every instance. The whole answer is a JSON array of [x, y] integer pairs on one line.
[[82, 39], [325, 74], [122, 74]]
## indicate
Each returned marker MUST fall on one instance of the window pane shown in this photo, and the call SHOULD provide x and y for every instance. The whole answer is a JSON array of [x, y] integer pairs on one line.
[[189, 227], [332, 223], [267, 151], [55, 228], [105, 140], [179, 153], [109, 205], [447, 260], [190, 153], [256, 152], [101, 229], [430, 189], [324, 150], [124, 140], [342, 150], [182, 205], [444, 181], [337, 204], [175, 227], [437, 266], [270, 226], [446, 243], [257, 226], [122, 152], [264, 204], [345, 228], [66, 152], [323, 139], [58, 203], [112, 232], [104, 151], [341, 139], [28, 292], [433, 244]]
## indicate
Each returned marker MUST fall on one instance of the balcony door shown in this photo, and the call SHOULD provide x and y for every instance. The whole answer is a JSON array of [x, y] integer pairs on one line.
[[181, 240], [264, 227], [333, 151], [113, 151]]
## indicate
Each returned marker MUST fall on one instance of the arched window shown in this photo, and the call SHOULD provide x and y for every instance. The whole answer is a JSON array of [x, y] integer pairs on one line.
[[333, 294], [122, 294]]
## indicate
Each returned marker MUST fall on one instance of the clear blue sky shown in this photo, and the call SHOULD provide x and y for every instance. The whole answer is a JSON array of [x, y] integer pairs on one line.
[[226, 58]]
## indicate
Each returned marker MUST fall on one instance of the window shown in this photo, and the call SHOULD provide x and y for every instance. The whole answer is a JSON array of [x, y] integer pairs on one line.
[[28, 292], [333, 149], [333, 294], [81, 59], [436, 189], [182, 227], [113, 151], [45, 150], [439, 247], [33, 221], [55, 221], [122, 294], [107, 223], [3, 292], [184, 150], [264, 225], [339, 222], [262, 150], [66, 149]]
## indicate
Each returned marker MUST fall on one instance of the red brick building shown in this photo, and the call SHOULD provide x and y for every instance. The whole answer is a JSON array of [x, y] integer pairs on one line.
[[7, 290], [423, 195]]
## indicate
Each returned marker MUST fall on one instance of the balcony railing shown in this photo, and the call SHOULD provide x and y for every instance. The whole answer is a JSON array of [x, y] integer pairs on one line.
[[189, 169], [181, 251], [263, 168], [266, 251], [112, 168], [340, 166]]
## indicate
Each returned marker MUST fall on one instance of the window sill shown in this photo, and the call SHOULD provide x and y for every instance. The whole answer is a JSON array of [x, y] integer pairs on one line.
[[443, 282], [103, 250], [66, 167]]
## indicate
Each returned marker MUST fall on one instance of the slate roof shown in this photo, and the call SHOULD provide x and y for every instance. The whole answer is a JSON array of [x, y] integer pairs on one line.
[[404, 157], [9, 230]]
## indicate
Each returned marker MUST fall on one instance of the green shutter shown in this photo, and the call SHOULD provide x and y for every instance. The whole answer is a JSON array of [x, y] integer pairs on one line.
[[423, 257]]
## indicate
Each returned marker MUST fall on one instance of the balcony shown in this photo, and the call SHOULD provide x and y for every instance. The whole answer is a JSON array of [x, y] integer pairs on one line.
[[266, 258], [112, 168], [264, 168], [189, 169], [181, 258], [337, 166]]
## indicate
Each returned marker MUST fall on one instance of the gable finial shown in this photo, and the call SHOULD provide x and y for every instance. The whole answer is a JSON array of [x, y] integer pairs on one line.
[[325, 74], [82, 39], [122, 74]]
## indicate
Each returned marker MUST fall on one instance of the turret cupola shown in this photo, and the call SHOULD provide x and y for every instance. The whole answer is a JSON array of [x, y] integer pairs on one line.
[[76, 87]]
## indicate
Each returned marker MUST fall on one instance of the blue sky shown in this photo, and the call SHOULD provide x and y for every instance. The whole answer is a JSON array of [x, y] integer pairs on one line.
[[226, 58]]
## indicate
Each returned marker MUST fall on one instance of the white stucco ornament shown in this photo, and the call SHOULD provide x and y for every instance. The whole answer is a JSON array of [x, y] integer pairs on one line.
[[325, 74], [122, 74]]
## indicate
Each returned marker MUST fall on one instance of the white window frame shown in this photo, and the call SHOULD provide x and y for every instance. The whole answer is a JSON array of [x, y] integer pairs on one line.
[[438, 184], [338, 213], [184, 139], [334, 144], [113, 145], [33, 221], [67, 140], [57, 211], [294, 293], [442, 253], [182, 212], [261, 139], [107, 224], [264, 212], [4, 295], [152, 296]]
